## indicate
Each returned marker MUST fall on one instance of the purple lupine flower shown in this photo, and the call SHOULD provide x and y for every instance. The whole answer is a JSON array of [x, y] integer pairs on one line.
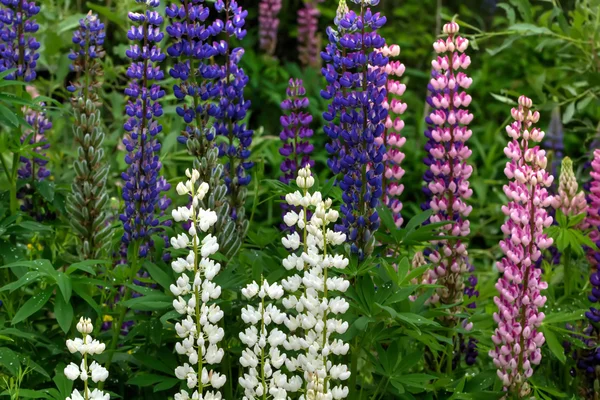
[[309, 38], [189, 51], [268, 24], [18, 46], [593, 216], [447, 179], [554, 140], [356, 79], [392, 138], [517, 339], [225, 83], [34, 169], [143, 184], [296, 131], [88, 40]]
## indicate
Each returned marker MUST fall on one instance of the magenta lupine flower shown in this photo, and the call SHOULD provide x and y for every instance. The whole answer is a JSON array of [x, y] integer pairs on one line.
[[448, 175], [309, 38], [268, 24], [593, 215], [392, 138], [517, 338]]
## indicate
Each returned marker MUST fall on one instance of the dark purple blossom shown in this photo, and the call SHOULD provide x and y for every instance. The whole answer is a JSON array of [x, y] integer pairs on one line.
[[268, 24], [309, 38], [18, 45], [88, 40], [143, 185], [355, 118]]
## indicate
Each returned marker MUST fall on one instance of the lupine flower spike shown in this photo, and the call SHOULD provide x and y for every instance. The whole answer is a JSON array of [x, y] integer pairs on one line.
[[517, 339], [86, 346], [593, 216], [268, 24], [262, 358], [392, 138], [225, 83], [317, 318], [143, 184], [195, 293], [569, 200], [447, 180], [35, 170], [309, 38], [87, 204], [18, 45], [355, 118]]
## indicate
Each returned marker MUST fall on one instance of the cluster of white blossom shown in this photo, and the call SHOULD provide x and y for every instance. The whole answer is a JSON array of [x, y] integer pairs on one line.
[[86, 346], [195, 290], [263, 357], [316, 318]]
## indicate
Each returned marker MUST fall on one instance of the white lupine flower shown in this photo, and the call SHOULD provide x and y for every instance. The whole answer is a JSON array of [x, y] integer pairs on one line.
[[86, 345], [195, 291], [313, 319]]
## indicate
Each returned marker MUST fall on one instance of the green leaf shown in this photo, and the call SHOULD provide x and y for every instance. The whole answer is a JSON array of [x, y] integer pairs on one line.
[[9, 360], [568, 114], [564, 316], [555, 346], [33, 305], [166, 384], [8, 117], [150, 303], [530, 28], [64, 313], [159, 275], [503, 99], [27, 279], [46, 189], [144, 380], [85, 266], [71, 22], [64, 284]]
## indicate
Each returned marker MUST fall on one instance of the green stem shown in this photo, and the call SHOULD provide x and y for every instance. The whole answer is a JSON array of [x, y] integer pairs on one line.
[[568, 272], [353, 368]]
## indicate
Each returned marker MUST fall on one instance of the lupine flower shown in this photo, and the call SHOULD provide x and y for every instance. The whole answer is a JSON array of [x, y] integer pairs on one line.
[[392, 138], [554, 140], [296, 132], [568, 200], [86, 346], [143, 185], [447, 179], [225, 83], [18, 45], [355, 118], [195, 293], [309, 38], [309, 291], [518, 339], [35, 169], [262, 358], [268, 24], [593, 216], [88, 201]]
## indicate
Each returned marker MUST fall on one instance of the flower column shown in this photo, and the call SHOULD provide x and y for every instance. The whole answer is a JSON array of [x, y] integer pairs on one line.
[[517, 339], [448, 174]]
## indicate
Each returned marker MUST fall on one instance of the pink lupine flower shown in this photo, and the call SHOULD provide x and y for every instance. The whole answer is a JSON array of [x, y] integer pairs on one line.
[[392, 138], [517, 338], [309, 38], [568, 200], [593, 212], [447, 180], [268, 24]]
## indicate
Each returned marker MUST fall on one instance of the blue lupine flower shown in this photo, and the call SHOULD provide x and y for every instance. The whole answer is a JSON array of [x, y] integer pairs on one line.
[[143, 184], [88, 40], [18, 44], [355, 118]]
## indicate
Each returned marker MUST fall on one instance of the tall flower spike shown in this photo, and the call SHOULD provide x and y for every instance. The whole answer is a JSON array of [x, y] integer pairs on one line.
[[309, 291], [87, 204], [191, 53], [568, 200], [268, 24], [309, 38], [262, 358], [143, 184], [224, 83], [355, 118], [35, 169], [18, 45], [447, 179], [195, 293], [593, 216], [517, 339], [392, 138], [86, 346]]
